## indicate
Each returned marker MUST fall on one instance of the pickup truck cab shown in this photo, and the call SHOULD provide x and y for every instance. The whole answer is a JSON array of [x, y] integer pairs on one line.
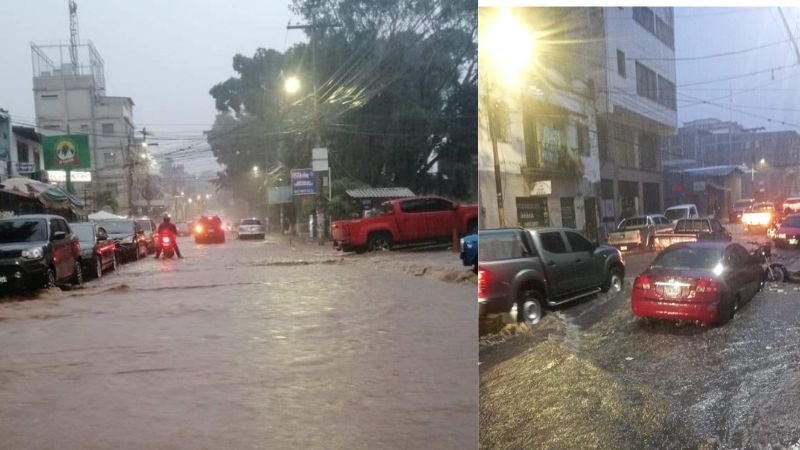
[[522, 271], [406, 221], [639, 231], [693, 230], [677, 212]]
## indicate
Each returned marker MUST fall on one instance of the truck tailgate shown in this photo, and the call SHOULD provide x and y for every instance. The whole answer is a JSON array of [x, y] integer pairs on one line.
[[662, 241]]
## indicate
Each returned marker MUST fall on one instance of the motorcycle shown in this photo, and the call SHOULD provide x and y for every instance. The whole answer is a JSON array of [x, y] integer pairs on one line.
[[167, 246], [772, 271]]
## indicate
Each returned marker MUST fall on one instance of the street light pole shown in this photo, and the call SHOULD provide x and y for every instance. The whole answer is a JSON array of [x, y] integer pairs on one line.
[[498, 181]]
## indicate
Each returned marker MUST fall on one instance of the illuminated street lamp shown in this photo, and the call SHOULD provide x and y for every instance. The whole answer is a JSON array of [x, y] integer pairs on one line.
[[190, 200], [508, 50], [292, 85]]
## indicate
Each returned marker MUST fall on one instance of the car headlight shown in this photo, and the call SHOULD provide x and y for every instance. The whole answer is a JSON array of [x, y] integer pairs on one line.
[[32, 253]]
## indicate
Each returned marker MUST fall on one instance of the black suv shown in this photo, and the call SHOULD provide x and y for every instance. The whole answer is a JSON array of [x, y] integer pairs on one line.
[[38, 251], [524, 271]]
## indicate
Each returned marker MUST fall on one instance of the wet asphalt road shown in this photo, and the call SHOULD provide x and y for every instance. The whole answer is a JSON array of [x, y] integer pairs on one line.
[[242, 345], [671, 385]]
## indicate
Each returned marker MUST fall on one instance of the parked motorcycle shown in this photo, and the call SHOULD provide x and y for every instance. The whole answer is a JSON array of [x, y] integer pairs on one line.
[[772, 271]]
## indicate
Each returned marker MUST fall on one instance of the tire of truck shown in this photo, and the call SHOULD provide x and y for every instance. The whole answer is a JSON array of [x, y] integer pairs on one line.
[[529, 307], [614, 281], [727, 309], [379, 242]]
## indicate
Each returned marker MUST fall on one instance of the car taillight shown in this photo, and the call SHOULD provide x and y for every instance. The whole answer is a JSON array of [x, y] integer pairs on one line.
[[483, 283], [642, 282], [643, 288], [706, 289]]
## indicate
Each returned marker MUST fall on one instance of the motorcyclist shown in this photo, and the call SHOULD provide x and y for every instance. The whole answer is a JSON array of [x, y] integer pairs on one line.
[[167, 228]]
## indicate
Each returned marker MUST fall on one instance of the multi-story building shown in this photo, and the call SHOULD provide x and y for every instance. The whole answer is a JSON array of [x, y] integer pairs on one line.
[[71, 100], [601, 92], [20, 150], [771, 160]]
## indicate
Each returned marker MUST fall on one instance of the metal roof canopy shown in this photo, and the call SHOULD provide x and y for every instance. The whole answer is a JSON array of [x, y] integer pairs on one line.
[[714, 171], [394, 192]]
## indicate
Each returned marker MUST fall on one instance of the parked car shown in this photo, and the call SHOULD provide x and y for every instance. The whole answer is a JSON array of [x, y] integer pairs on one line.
[[150, 233], [469, 251], [693, 230], [38, 251], [98, 252], [677, 212], [406, 221], [250, 228], [128, 238], [788, 233], [760, 216], [738, 209], [183, 228], [524, 271], [698, 281], [791, 205], [639, 231], [209, 229]]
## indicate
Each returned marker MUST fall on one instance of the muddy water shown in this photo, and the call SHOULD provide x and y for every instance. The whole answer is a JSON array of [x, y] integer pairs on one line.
[[243, 345]]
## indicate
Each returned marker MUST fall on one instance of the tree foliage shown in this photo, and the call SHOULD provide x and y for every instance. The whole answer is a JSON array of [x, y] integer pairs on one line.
[[397, 98]]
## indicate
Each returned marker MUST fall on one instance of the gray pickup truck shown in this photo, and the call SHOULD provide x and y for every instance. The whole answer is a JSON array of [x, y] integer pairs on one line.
[[522, 272]]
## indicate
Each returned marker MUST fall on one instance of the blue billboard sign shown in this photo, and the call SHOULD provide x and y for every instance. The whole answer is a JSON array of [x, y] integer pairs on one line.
[[303, 182]]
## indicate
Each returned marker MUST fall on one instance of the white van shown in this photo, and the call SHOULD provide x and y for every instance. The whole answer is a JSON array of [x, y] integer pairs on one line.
[[677, 212]]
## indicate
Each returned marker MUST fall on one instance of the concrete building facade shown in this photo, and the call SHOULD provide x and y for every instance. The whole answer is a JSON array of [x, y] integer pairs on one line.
[[71, 100]]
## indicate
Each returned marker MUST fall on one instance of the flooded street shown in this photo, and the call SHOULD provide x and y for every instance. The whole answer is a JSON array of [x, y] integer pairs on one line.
[[596, 376], [243, 345]]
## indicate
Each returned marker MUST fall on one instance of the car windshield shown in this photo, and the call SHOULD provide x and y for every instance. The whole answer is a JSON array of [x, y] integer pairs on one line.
[[793, 221], [22, 230], [742, 204], [85, 231], [251, 222], [675, 214], [685, 258], [763, 207], [118, 226]]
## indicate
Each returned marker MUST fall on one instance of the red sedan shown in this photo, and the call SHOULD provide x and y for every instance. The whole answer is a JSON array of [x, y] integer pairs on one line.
[[697, 281], [788, 234]]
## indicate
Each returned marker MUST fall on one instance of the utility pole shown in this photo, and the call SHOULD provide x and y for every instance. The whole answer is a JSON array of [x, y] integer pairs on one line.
[[313, 27]]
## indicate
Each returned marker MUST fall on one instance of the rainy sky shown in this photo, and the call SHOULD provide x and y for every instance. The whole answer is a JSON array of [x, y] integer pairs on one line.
[[166, 56]]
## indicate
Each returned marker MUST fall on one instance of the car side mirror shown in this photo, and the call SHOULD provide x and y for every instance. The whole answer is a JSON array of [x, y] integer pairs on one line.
[[102, 237], [58, 235]]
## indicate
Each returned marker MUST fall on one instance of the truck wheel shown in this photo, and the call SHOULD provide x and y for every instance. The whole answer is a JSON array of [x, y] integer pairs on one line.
[[379, 242], [529, 308], [98, 267], [614, 282], [49, 279]]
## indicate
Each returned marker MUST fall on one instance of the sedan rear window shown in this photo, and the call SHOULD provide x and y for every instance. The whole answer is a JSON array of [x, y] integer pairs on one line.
[[251, 222], [688, 258]]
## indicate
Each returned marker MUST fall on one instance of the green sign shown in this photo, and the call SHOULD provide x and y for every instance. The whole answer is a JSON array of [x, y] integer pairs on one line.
[[66, 152]]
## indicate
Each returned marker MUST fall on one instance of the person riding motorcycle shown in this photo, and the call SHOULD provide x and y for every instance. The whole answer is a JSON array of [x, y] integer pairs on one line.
[[167, 228]]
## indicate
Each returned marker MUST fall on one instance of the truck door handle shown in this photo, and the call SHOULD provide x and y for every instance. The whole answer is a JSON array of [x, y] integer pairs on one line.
[[551, 263], [578, 260]]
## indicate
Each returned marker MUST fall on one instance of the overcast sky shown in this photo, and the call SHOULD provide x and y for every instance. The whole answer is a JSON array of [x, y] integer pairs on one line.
[[165, 55]]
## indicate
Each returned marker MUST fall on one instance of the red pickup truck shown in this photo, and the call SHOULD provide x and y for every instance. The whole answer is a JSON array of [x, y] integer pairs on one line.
[[406, 221]]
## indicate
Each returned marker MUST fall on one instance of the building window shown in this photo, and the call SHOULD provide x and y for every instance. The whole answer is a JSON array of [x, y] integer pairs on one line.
[[84, 126], [646, 82], [583, 140], [664, 33], [666, 93], [52, 127], [108, 128], [648, 151], [22, 152], [568, 212], [532, 212], [49, 96], [625, 151], [645, 18], [621, 63], [110, 157]]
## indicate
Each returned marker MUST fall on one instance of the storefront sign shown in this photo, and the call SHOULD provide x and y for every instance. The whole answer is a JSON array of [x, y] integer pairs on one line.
[[699, 186], [76, 176], [542, 188], [25, 167], [67, 151]]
